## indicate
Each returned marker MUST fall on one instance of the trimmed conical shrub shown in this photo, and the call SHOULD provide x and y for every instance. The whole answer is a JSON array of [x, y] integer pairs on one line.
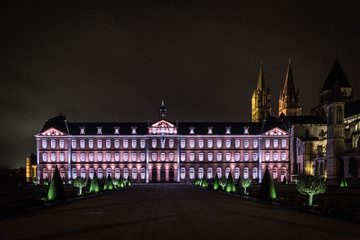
[[230, 186], [267, 189], [343, 182], [46, 182], [128, 182], [56, 189], [204, 182], [284, 181], [108, 184], [94, 186], [216, 183]]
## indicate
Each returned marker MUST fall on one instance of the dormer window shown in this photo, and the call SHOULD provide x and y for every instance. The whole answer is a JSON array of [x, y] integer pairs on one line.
[[117, 130], [99, 130], [192, 130], [228, 130], [133, 130], [210, 130], [246, 130], [82, 130]]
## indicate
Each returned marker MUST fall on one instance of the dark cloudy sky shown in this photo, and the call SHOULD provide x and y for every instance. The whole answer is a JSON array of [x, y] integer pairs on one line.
[[116, 60]]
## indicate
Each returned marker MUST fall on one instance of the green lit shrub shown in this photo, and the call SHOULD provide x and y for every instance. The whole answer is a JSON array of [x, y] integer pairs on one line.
[[46, 182], [284, 181], [108, 184], [94, 186], [116, 182], [267, 189], [216, 183], [230, 186], [204, 182], [343, 182], [80, 183], [222, 183], [56, 189], [245, 183], [310, 185]]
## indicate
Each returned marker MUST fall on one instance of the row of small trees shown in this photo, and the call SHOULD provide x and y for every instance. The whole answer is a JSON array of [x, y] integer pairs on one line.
[[57, 190]]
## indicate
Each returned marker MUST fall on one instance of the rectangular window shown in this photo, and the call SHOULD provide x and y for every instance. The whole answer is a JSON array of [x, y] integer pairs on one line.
[[201, 156], [142, 173], [171, 156], [108, 144], [201, 143], [183, 157], [255, 156], [73, 144], [237, 156], [219, 143], [171, 143], [246, 143], [99, 157], [182, 143], [210, 143], [283, 143], [154, 143], [99, 144], [82, 157], [162, 156], [246, 156], [210, 157], [228, 156], [134, 157], [276, 143], [82, 144], [44, 157], [275, 156], [255, 143], [108, 157], [91, 157], [267, 143], [237, 143], [117, 157], [91, 144], [133, 143], [267, 156], [44, 143], [219, 156], [192, 156], [62, 144], [283, 156], [117, 143], [142, 157], [73, 157], [246, 173], [228, 143], [125, 144], [182, 173], [154, 156], [254, 176], [125, 157], [53, 144], [191, 143], [142, 143]]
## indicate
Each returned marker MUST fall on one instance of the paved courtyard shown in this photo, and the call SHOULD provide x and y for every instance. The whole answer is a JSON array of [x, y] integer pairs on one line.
[[172, 212]]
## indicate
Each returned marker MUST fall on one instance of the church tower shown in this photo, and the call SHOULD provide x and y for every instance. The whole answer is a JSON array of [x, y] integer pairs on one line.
[[162, 111], [289, 100], [261, 100], [335, 133]]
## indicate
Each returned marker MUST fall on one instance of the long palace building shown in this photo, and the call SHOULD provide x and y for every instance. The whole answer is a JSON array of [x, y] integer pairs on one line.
[[325, 143]]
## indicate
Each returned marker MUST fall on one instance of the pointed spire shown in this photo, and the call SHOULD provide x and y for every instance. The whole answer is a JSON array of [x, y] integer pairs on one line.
[[162, 103], [289, 87], [261, 82], [336, 73]]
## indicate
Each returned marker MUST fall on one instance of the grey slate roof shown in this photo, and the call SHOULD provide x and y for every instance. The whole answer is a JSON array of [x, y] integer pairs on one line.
[[336, 73]]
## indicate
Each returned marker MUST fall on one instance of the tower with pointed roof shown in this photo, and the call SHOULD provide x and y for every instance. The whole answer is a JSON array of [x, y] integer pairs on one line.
[[289, 100], [261, 100], [162, 111]]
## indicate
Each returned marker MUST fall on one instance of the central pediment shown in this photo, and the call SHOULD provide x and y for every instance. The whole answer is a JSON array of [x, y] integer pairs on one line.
[[162, 127]]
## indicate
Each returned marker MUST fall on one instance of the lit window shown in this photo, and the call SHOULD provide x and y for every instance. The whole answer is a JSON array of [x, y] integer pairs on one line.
[[162, 156], [133, 130], [83, 173], [237, 143], [134, 173], [133, 143], [246, 130], [210, 130], [237, 156], [228, 130], [125, 157], [116, 130], [255, 173], [192, 156], [126, 173], [171, 130], [134, 157], [154, 156], [154, 143], [142, 173], [99, 144], [117, 173], [182, 143], [154, 130], [246, 173], [192, 143], [192, 130], [73, 157], [227, 172], [282, 174], [219, 143], [99, 130], [99, 157], [210, 157], [209, 173], [74, 173], [246, 156], [142, 157], [108, 157], [255, 156], [267, 143], [73, 144], [255, 143], [44, 144], [108, 144], [201, 143], [45, 173], [283, 143], [228, 156], [82, 130], [200, 173], [275, 156], [116, 143], [246, 143], [62, 144], [142, 143], [236, 173], [100, 173], [53, 144], [276, 143], [283, 156], [82, 157], [219, 156], [82, 144], [210, 143], [191, 173], [228, 143], [91, 173], [183, 156], [218, 172], [91, 157], [182, 173], [91, 143], [44, 157], [125, 144], [267, 156], [171, 156], [117, 157], [201, 156], [275, 173], [171, 143]]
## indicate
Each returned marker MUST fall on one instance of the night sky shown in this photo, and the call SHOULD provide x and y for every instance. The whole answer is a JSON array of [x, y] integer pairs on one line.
[[116, 60]]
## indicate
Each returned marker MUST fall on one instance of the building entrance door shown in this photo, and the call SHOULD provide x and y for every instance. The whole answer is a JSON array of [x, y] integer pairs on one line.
[[171, 174], [154, 175], [162, 174]]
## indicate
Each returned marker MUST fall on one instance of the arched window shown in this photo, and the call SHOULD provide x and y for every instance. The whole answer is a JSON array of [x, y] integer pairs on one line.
[[45, 173], [191, 173], [108, 172], [83, 173], [108, 157], [117, 173], [62, 173], [218, 172], [339, 114], [275, 173], [227, 172], [134, 173], [209, 173], [126, 173], [74, 173], [182, 173], [91, 157], [100, 173], [237, 173], [200, 173], [246, 173], [255, 173], [142, 173], [282, 174], [91, 173]]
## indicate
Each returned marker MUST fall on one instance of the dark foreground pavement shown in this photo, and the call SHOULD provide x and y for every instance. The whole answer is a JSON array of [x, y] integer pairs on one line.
[[173, 212]]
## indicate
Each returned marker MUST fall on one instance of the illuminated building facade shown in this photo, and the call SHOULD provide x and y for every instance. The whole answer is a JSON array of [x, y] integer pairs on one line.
[[163, 151]]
